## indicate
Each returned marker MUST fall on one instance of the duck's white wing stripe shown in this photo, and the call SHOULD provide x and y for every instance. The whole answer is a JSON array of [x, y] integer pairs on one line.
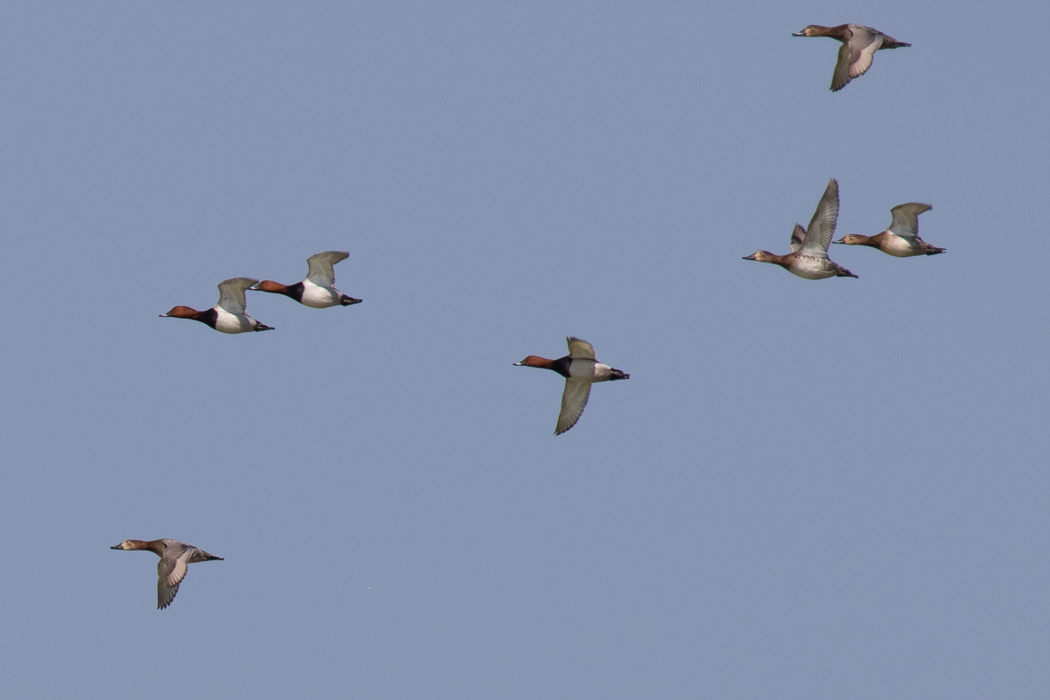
[[860, 58], [178, 568], [573, 401], [171, 572]]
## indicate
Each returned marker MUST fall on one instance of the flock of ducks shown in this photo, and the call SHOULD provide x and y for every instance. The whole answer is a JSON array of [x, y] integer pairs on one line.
[[809, 247], [808, 259], [229, 315]]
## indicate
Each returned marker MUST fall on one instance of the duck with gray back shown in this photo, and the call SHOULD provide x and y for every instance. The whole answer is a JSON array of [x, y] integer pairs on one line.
[[580, 369], [901, 239], [318, 289], [859, 44], [229, 315], [809, 248], [174, 557]]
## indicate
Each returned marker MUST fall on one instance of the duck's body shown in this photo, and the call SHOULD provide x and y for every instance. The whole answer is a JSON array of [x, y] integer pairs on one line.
[[805, 266], [580, 369], [901, 239], [228, 316], [809, 249], [174, 557], [859, 44], [318, 289]]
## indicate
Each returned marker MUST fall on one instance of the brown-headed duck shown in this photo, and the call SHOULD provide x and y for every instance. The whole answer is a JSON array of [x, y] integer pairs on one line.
[[859, 44], [228, 316], [318, 289], [901, 239], [174, 556], [580, 369], [809, 249]]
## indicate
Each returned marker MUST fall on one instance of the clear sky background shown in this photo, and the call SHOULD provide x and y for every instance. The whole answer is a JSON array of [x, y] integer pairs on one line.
[[807, 489]]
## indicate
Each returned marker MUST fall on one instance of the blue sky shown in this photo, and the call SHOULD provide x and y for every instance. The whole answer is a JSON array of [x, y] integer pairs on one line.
[[806, 489]]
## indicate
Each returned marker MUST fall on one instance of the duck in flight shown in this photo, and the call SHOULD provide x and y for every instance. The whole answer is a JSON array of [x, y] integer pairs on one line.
[[809, 247], [228, 316], [901, 239], [174, 557], [580, 369], [859, 44], [317, 290]]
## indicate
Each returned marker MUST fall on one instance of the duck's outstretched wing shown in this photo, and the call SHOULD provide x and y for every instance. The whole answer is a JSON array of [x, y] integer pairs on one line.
[[906, 219], [862, 47], [231, 294], [321, 271], [822, 225], [840, 78], [573, 401], [171, 571], [580, 349]]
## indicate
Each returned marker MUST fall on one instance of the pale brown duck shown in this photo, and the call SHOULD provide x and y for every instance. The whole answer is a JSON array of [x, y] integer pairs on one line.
[[809, 249], [174, 557], [901, 239], [859, 44]]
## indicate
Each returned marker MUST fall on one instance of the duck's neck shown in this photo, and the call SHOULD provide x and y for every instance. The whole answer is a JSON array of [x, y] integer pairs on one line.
[[561, 365]]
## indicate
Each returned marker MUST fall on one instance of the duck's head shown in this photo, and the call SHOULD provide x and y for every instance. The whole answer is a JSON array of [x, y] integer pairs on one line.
[[269, 286], [761, 256], [535, 361], [811, 30], [852, 239], [181, 312]]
